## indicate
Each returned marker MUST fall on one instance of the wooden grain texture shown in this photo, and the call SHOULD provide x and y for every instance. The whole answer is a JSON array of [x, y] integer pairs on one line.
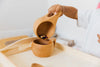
[[68, 57], [3, 41], [18, 47], [43, 48], [36, 65]]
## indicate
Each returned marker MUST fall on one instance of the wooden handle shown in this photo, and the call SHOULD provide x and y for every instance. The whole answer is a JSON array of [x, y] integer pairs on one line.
[[18, 47], [36, 65], [53, 41], [58, 14], [3, 41]]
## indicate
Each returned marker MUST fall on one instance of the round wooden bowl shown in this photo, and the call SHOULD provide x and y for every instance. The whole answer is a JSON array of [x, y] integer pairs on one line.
[[43, 48]]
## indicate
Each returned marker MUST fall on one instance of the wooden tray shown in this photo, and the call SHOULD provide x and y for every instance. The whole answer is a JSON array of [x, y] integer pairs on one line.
[[63, 56]]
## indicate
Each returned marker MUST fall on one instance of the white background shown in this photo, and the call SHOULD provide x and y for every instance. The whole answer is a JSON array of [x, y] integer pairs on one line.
[[80, 4], [17, 16], [20, 14]]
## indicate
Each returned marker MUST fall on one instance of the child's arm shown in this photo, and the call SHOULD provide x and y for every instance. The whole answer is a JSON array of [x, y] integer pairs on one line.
[[66, 10], [70, 12], [82, 16]]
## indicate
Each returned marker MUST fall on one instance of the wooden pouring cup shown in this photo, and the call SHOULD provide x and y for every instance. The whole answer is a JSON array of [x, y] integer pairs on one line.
[[46, 25]]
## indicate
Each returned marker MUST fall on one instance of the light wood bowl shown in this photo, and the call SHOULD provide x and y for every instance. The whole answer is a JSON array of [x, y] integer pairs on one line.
[[43, 48]]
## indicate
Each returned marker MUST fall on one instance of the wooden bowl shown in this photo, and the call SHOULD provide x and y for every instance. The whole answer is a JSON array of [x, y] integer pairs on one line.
[[43, 48]]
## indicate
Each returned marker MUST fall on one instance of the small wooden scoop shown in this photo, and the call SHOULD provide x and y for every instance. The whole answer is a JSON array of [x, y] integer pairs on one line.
[[46, 25], [18, 46], [7, 41], [36, 65]]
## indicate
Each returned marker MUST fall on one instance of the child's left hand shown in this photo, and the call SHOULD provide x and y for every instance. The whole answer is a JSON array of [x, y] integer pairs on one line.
[[98, 35]]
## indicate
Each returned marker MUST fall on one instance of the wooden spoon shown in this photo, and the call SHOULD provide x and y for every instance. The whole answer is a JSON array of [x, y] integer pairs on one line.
[[6, 41], [36, 65], [18, 46], [46, 25]]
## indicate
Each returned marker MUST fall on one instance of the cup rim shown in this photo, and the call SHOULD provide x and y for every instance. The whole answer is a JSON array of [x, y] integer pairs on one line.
[[42, 44]]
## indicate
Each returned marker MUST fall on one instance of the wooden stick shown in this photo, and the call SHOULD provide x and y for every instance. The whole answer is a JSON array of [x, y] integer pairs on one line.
[[3, 41], [18, 47]]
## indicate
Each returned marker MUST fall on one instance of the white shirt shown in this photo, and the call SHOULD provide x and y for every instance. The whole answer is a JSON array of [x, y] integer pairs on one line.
[[90, 20]]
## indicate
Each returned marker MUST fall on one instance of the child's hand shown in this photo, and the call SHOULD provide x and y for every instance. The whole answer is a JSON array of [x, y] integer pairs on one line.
[[98, 35], [55, 9], [68, 11]]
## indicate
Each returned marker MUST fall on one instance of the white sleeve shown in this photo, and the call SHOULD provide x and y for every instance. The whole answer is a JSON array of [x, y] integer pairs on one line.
[[84, 17]]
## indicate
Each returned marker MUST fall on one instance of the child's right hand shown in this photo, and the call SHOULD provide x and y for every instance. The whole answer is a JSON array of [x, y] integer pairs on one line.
[[66, 10], [55, 9]]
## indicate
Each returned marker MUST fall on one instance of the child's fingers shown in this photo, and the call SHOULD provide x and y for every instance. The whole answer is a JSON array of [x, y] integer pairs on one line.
[[98, 36], [50, 10], [58, 9], [50, 13]]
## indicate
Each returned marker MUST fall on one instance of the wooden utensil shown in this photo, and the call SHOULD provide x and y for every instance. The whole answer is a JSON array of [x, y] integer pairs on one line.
[[24, 45], [36, 65], [18, 46], [5, 42], [43, 48], [46, 25]]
